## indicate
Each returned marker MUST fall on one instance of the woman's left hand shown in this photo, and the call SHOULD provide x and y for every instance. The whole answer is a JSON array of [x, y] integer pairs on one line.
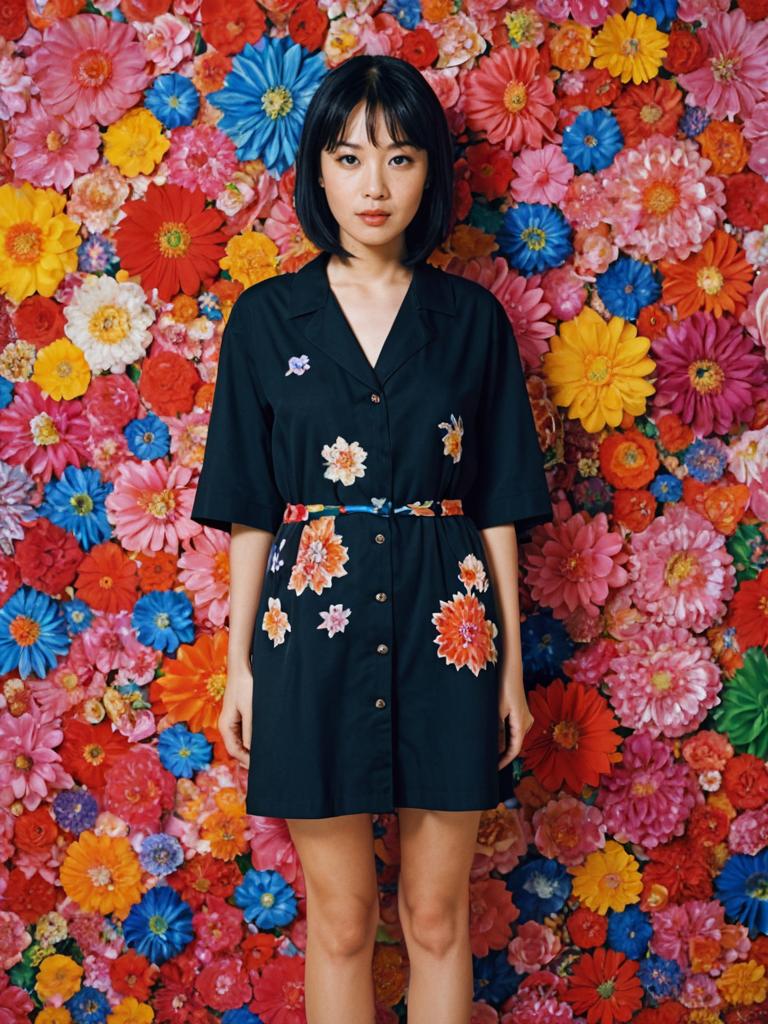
[[513, 707]]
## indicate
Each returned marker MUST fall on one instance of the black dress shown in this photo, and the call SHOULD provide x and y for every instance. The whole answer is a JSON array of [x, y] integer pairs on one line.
[[377, 641]]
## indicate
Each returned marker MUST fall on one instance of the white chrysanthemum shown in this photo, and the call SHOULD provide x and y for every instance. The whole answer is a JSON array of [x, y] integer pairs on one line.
[[109, 322]]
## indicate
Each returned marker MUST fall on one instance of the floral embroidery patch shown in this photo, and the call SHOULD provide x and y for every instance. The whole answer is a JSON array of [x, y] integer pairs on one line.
[[464, 635], [320, 557], [452, 440], [297, 365], [335, 620], [275, 622], [275, 562], [345, 461]]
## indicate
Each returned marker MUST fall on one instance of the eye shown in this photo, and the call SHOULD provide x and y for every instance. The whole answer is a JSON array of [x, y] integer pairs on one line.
[[346, 156]]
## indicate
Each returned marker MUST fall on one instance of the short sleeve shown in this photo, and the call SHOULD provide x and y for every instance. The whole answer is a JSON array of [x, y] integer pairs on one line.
[[237, 479], [511, 484]]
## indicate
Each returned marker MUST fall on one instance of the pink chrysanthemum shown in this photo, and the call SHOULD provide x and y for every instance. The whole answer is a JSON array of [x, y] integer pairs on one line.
[[732, 79], [756, 133], [43, 435], [709, 372], [648, 797], [663, 681], [138, 789], [523, 299], [542, 175], [700, 10], [510, 98], [201, 156], [584, 202], [574, 564], [204, 572], [660, 199], [150, 506], [47, 151], [567, 830], [677, 924], [682, 573], [89, 69], [30, 767]]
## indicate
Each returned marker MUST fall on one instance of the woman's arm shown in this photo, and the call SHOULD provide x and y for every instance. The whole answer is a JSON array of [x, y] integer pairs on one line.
[[500, 544], [248, 553]]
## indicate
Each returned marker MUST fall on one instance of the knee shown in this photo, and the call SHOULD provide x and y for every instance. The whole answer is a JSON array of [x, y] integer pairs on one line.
[[436, 926], [344, 928]]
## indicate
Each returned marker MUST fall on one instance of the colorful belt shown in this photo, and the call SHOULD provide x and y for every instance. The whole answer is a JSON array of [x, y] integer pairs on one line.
[[380, 507]]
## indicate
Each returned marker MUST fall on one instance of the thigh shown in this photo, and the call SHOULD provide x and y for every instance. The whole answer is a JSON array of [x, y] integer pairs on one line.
[[337, 857], [436, 853]]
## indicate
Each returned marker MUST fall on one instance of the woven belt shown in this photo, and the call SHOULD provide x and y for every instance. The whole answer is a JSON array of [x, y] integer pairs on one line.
[[380, 507]]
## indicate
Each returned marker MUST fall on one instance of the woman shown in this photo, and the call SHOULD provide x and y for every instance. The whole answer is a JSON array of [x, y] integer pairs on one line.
[[372, 450]]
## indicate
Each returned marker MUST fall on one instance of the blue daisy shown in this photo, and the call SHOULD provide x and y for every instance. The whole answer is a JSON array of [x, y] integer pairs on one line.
[[541, 887], [76, 503], [407, 12], [33, 633], [629, 931], [161, 854], [75, 809], [240, 1016], [545, 646], [265, 98], [663, 11], [173, 100], [706, 459], [163, 620], [88, 1005], [6, 392], [661, 979], [148, 437], [742, 886], [628, 285], [159, 926], [666, 487], [78, 614], [535, 237], [266, 898], [182, 752], [593, 140], [693, 121]]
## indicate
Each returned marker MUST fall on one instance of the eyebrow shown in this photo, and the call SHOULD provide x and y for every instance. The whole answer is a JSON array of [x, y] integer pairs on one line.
[[393, 145]]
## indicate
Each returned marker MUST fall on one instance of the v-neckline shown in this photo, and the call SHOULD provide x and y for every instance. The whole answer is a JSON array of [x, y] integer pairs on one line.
[[333, 298]]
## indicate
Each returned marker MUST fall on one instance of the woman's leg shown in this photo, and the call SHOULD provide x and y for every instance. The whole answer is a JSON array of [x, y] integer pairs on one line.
[[436, 852], [337, 858]]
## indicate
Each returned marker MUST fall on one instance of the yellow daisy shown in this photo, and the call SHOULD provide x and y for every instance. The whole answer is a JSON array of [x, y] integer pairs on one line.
[[38, 242], [251, 257], [102, 873], [61, 370], [631, 48], [59, 976], [131, 1011], [609, 879], [135, 144], [597, 369]]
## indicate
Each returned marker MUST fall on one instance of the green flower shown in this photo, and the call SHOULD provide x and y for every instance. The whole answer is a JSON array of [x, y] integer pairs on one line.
[[743, 711]]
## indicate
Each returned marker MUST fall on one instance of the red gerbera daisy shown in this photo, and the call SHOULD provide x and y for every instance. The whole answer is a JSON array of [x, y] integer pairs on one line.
[[749, 609], [171, 240], [605, 986]]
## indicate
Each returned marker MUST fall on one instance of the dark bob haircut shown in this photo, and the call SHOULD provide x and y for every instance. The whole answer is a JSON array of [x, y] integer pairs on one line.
[[412, 113]]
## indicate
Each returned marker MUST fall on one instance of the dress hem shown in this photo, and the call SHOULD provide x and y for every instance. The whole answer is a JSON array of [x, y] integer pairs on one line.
[[374, 805]]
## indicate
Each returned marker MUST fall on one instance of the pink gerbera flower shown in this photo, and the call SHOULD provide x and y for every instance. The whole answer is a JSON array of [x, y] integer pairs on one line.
[[204, 572], [523, 299], [510, 98], [648, 797], [201, 156], [30, 767], [542, 175], [150, 506], [89, 69], [682, 572], [663, 681], [47, 151], [41, 434], [732, 80], [709, 372], [574, 564], [660, 199]]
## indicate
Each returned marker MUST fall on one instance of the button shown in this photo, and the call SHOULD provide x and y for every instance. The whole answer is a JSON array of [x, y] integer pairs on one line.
[[381, 703], [379, 538], [381, 596], [382, 649], [375, 397]]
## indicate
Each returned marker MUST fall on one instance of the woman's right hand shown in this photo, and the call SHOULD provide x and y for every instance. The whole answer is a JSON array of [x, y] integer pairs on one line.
[[235, 718]]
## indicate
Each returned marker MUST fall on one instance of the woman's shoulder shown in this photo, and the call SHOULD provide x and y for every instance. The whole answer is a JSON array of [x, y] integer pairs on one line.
[[469, 293], [267, 299]]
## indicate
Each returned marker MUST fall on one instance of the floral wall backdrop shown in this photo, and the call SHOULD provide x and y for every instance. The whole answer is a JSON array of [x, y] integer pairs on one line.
[[610, 188]]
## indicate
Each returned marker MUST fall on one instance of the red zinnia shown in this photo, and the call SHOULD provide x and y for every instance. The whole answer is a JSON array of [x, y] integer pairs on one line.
[[749, 609], [171, 240], [605, 986]]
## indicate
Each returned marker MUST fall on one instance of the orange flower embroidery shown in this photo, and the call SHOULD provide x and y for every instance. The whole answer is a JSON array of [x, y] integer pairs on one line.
[[464, 635], [275, 622], [452, 440], [321, 556]]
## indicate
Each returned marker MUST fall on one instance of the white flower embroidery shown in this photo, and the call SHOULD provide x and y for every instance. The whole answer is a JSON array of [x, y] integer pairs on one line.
[[297, 365], [472, 574], [452, 440], [275, 622], [335, 620], [344, 461]]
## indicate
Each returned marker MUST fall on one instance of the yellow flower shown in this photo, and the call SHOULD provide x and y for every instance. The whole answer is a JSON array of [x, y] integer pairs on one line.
[[102, 873], [135, 144], [38, 242], [609, 879], [58, 976], [131, 1011], [631, 48], [743, 983], [250, 258], [54, 1015], [597, 369], [61, 370]]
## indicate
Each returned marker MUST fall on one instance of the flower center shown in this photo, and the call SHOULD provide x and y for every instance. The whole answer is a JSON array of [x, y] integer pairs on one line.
[[660, 198], [92, 68], [515, 97], [705, 376], [598, 369], [277, 102], [710, 280], [216, 683], [725, 66], [23, 242], [109, 324], [534, 238], [24, 630], [679, 568], [650, 113], [661, 680], [173, 239], [566, 734]]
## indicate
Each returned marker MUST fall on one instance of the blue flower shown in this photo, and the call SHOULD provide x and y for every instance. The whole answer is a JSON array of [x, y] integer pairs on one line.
[[593, 140], [494, 977], [148, 437], [666, 487], [6, 392], [33, 633], [265, 98], [706, 459], [241, 1016], [541, 887], [173, 100], [209, 305], [88, 1005], [75, 809], [407, 12], [693, 121], [160, 925], [76, 503], [545, 646], [96, 254], [161, 854], [663, 11], [182, 752], [534, 237], [660, 978], [163, 620], [629, 931], [741, 887], [626, 286], [78, 614], [266, 898]]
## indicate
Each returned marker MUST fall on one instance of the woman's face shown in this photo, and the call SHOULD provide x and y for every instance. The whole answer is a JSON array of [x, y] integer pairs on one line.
[[359, 176]]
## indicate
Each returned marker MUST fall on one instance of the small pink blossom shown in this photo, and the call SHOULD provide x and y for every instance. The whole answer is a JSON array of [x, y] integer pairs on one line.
[[542, 175], [565, 292], [30, 767], [203, 157], [168, 41], [533, 946], [567, 830]]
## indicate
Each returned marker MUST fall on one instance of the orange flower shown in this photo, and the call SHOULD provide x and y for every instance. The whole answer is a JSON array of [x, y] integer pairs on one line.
[[674, 435], [629, 459], [570, 46], [192, 684], [158, 569], [634, 509], [642, 110], [107, 579], [723, 144], [652, 321], [320, 556], [716, 279], [464, 635], [225, 831], [228, 25], [723, 504]]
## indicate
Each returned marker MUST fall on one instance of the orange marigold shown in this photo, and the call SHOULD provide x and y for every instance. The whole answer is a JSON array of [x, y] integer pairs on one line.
[[723, 143], [628, 460]]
